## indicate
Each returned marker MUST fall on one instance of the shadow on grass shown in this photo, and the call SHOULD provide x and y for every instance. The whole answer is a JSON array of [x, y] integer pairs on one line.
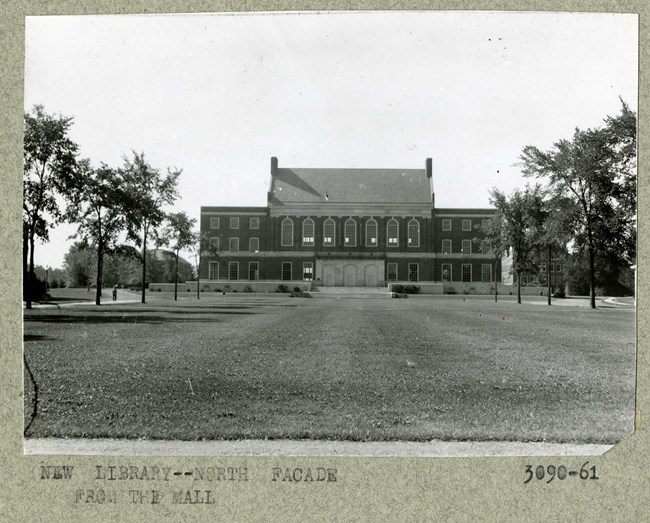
[[36, 337], [131, 318]]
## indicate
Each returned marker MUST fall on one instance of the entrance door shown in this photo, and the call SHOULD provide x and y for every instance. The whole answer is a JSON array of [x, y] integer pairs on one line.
[[328, 275], [370, 276], [350, 276]]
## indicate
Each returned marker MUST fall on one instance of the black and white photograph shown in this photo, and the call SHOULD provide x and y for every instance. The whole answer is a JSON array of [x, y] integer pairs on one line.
[[330, 233]]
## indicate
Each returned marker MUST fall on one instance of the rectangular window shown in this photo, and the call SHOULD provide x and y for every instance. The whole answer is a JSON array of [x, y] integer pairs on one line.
[[467, 246], [213, 271], [467, 272], [214, 243], [234, 223], [254, 223], [446, 225], [542, 268], [392, 272], [308, 271], [286, 271], [467, 225], [233, 270], [253, 244], [214, 223], [414, 272], [446, 272], [486, 273], [233, 245], [253, 271], [485, 247], [446, 246]]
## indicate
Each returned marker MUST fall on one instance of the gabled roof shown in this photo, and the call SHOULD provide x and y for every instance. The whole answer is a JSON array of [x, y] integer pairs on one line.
[[390, 186]]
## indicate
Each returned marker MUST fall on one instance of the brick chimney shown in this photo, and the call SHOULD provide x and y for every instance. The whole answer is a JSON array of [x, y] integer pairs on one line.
[[429, 167], [274, 166]]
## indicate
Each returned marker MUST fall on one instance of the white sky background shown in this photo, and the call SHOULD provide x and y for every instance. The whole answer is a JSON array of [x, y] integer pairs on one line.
[[218, 95]]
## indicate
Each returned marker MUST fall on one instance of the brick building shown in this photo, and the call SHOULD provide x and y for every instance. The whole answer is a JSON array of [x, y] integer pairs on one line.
[[346, 227]]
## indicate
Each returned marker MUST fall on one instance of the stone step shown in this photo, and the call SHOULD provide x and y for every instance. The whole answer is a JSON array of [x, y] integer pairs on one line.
[[350, 290], [349, 295]]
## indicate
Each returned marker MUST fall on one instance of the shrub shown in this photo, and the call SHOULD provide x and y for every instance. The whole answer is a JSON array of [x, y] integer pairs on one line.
[[297, 290], [412, 289], [399, 295], [559, 293], [472, 290], [247, 288], [399, 289], [282, 288], [450, 290]]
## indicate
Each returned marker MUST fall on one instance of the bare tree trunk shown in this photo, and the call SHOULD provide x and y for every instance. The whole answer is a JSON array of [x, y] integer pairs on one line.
[[496, 292], [548, 274], [592, 277], [198, 279], [30, 279], [144, 263], [176, 278], [100, 270], [518, 287], [26, 281]]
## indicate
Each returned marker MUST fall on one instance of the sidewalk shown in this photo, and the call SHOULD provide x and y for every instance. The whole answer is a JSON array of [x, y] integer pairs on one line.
[[435, 448]]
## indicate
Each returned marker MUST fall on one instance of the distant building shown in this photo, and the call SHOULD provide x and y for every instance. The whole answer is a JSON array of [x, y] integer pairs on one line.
[[536, 280], [347, 227]]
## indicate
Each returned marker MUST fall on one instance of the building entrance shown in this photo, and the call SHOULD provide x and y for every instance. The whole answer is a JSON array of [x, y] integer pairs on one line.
[[350, 273]]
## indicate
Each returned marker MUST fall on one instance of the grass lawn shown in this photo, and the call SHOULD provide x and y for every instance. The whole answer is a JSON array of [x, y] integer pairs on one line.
[[269, 366]]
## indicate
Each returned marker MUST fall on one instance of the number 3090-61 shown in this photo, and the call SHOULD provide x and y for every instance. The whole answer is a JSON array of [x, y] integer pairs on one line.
[[551, 472]]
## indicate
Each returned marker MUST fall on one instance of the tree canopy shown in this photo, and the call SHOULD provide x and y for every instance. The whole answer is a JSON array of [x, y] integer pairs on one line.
[[50, 163], [596, 170]]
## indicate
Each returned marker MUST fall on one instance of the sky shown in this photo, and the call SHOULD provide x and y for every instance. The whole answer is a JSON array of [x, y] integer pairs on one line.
[[217, 95]]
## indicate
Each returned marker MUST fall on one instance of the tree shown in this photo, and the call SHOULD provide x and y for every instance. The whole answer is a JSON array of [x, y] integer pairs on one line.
[[50, 159], [148, 191], [78, 265], [516, 227], [494, 234], [203, 247], [98, 209], [178, 234], [596, 169]]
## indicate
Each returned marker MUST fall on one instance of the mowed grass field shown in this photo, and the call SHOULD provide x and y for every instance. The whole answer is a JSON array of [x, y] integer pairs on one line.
[[247, 366]]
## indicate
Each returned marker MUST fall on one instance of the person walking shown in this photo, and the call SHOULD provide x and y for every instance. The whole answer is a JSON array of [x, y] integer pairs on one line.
[[114, 292]]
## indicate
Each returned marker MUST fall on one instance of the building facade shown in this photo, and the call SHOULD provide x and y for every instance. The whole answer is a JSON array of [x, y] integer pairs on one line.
[[347, 227]]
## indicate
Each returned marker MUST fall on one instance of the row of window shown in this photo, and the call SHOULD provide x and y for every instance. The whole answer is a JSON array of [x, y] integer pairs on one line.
[[466, 224], [350, 231], [215, 223], [254, 271], [466, 272], [391, 276], [465, 247], [536, 280], [233, 244]]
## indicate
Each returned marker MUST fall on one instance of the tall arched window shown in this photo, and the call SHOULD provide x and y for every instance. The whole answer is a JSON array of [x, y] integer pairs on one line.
[[329, 233], [414, 233], [287, 232], [308, 232], [350, 233], [392, 233], [371, 233]]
